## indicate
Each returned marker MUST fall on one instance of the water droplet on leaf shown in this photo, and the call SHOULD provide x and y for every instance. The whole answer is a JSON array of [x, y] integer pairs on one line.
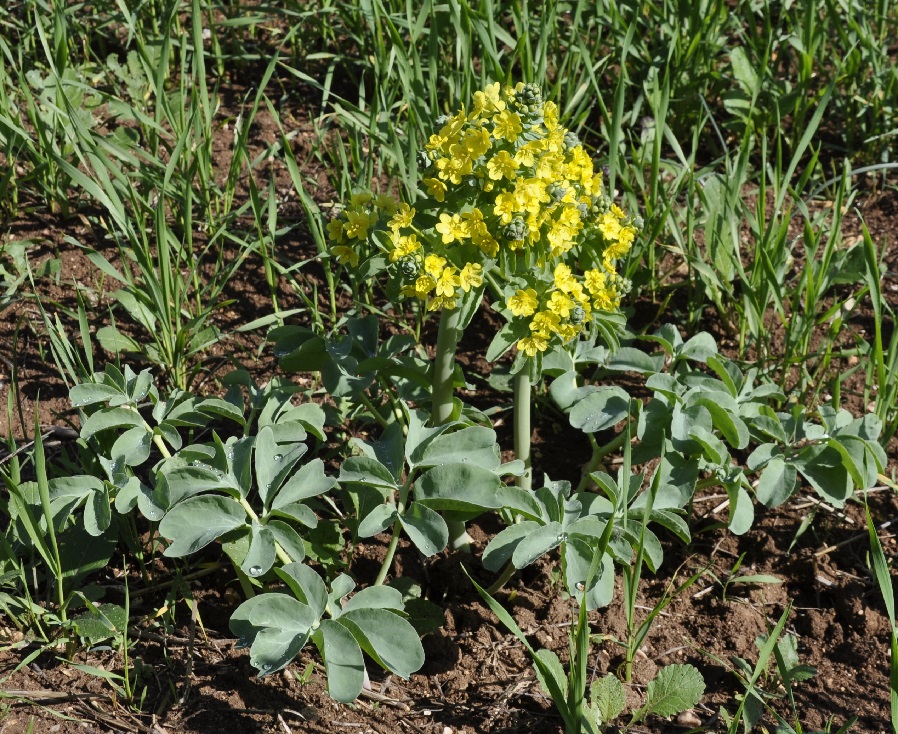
[[255, 570], [278, 457]]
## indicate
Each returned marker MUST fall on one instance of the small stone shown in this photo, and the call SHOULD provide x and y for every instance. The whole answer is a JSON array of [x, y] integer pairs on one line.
[[688, 718]]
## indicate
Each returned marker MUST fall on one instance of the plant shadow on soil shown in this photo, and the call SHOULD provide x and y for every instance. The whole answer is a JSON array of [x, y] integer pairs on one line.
[[477, 677]]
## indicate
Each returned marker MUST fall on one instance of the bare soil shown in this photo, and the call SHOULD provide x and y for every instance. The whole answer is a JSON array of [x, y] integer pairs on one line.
[[477, 678]]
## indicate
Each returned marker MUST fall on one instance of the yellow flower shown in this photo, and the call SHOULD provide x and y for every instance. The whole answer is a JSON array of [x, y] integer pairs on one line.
[[424, 285], [609, 226], [482, 239], [433, 265], [531, 345], [477, 142], [595, 281], [471, 276], [489, 101], [545, 323], [523, 303], [505, 206], [508, 126], [403, 217], [564, 279], [335, 230], [403, 246], [452, 227], [346, 255], [502, 165], [441, 302], [357, 223], [560, 304], [436, 188], [447, 282]]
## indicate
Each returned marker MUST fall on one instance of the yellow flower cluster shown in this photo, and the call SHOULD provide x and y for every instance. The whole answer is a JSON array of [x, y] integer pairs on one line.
[[510, 193]]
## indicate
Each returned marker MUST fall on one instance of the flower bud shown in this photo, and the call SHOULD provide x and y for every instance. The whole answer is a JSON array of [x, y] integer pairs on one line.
[[516, 229], [571, 140], [409, 266]]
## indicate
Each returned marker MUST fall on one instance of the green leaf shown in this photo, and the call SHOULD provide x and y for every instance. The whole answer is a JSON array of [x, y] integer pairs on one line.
[[343, 661], [537, 544], [472, 445], [260, 556], [386, 637], [699, 348], [505, 339], [459, 487], [363, 470], [101, 622], [742, 512], [549, 671], [676, 688], [98, 512], [607, 698], [376, 521], [601, 409], [426, 529], [81, 553], [186, 481], [306, 584], [221, 408], [374, 597], [309, 481], [112, 340], [275, 626], [714, 449], [109, 418], [823, 468], [90, 393], [287, 537], [628, 359], [197, 521], [777, 482], [273, 462], [133, 446], [501, 548]]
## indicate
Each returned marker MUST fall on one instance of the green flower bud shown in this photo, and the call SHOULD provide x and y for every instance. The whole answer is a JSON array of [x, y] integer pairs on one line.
[[516, 230], [409, 266], [529, 97], [556, 191], [571, 140], [578, 314]]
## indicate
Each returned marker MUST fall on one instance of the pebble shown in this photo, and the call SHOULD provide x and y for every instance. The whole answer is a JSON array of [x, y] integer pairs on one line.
[[688, 718]]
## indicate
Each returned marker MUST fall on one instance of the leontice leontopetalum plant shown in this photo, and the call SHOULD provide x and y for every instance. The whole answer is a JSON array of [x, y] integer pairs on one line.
[[513, 203]]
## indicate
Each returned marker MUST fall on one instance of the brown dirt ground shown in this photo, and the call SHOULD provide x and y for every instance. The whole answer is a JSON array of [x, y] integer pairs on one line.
[[477, 677]]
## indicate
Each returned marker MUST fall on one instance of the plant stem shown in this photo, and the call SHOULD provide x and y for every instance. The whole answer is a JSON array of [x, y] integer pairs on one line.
[[443, 405], [444, 366], [522, 429], [397, 531]]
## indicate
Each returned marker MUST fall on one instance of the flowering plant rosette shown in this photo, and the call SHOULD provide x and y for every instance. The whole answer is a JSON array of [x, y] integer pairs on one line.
[[512, 201]]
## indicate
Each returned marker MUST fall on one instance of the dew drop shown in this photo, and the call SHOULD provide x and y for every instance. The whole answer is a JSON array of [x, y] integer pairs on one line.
[[561, 537], [195, 462], [230, 455], [278, 457], [580, 586], [255, 570]]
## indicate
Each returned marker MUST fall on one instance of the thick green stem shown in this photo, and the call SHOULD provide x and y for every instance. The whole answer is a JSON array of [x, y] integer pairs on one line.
[[522, 429], [522, 435], [443, 404], [444, 366]]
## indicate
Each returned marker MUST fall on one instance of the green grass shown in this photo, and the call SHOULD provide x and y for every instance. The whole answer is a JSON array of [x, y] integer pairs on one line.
[[747, 135]]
